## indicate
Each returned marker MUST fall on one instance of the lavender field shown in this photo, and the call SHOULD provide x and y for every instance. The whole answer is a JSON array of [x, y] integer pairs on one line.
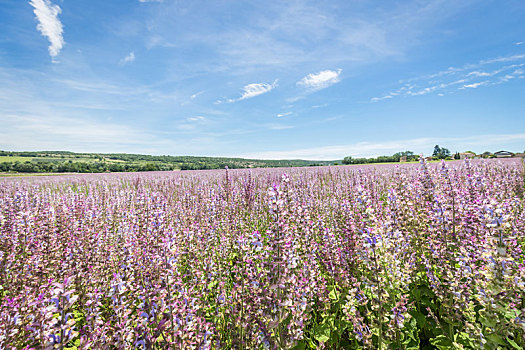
[[414, 256]]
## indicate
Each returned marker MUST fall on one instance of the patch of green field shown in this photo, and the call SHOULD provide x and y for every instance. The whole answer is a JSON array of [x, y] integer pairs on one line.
[[6, 159]]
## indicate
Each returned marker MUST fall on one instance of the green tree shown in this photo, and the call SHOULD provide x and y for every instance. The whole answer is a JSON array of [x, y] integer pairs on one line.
[[440, 152]]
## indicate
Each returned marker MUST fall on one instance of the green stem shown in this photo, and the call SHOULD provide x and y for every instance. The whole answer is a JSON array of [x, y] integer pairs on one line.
[[380, 339]]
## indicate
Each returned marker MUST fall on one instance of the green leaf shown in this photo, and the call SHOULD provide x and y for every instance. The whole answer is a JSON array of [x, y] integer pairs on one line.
[[513, 343], [300, 346], [511, 314], [487, 322], [322, 338], [465, 340], [322, 333], [212, 284], [441, 342], [332, 295], [420, 318], [496, 339], [417, 294]]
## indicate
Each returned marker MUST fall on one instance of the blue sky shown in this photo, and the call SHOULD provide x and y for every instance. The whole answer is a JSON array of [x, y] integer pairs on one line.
[[262, 79]]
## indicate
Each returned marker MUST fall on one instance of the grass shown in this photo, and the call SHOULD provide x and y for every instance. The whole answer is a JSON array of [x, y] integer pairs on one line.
[[6, 159], [32, 174]]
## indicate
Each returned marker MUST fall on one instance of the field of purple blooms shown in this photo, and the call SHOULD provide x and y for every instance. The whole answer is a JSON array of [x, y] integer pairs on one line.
[[427, 256]]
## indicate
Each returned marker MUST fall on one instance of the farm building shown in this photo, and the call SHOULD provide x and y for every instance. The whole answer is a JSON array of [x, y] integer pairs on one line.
[[469, 155], [503, 154]]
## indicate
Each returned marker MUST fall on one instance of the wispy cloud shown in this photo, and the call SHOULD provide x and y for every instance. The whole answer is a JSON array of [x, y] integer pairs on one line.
[[502, 59], [290, 33], [252, 90], [377, 99], [96, 87], [197, 94], [475, 85], [467, 67], [275, 126], [280, 115], [477, 144], [494, 71], [192, 123], [49, 24], [198, 118], [128, 59], [479, 74], [52, 131], [321, 80], [279, 127], [112, 87]]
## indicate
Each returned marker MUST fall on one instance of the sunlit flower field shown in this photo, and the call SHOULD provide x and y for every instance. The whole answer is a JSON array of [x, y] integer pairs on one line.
[[413, 256]]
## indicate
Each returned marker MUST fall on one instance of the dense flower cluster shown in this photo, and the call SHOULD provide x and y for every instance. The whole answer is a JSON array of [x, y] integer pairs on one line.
[[391, 256]]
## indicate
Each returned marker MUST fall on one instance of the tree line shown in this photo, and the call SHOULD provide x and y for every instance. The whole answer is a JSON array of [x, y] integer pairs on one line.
[[396, 157], [80, 167], [69, 162]]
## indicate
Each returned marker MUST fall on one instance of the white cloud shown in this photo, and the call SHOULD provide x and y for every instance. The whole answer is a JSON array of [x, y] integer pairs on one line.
[[459, 70], [280, 127], [198, 118], [506, 78], [47, 130], [192, 123], [462, 78], [197, 94], [478, 144], [129, 58], [49, 25], [503, 59], [479, 74], [474, 85], [280, 115], [252, 90], [102, 87], [320, 80], [377, 99]]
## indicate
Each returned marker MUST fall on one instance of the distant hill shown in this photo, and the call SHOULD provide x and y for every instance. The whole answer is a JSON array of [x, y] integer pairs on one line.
[[64, 161]]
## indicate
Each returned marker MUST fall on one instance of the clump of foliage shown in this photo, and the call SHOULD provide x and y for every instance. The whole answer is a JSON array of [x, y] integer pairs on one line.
[[440, 152], [387, 257]]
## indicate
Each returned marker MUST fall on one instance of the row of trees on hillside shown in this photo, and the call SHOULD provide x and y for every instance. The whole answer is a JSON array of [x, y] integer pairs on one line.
[[136, 162], [80, 167], [103, 166], [410, 156]]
